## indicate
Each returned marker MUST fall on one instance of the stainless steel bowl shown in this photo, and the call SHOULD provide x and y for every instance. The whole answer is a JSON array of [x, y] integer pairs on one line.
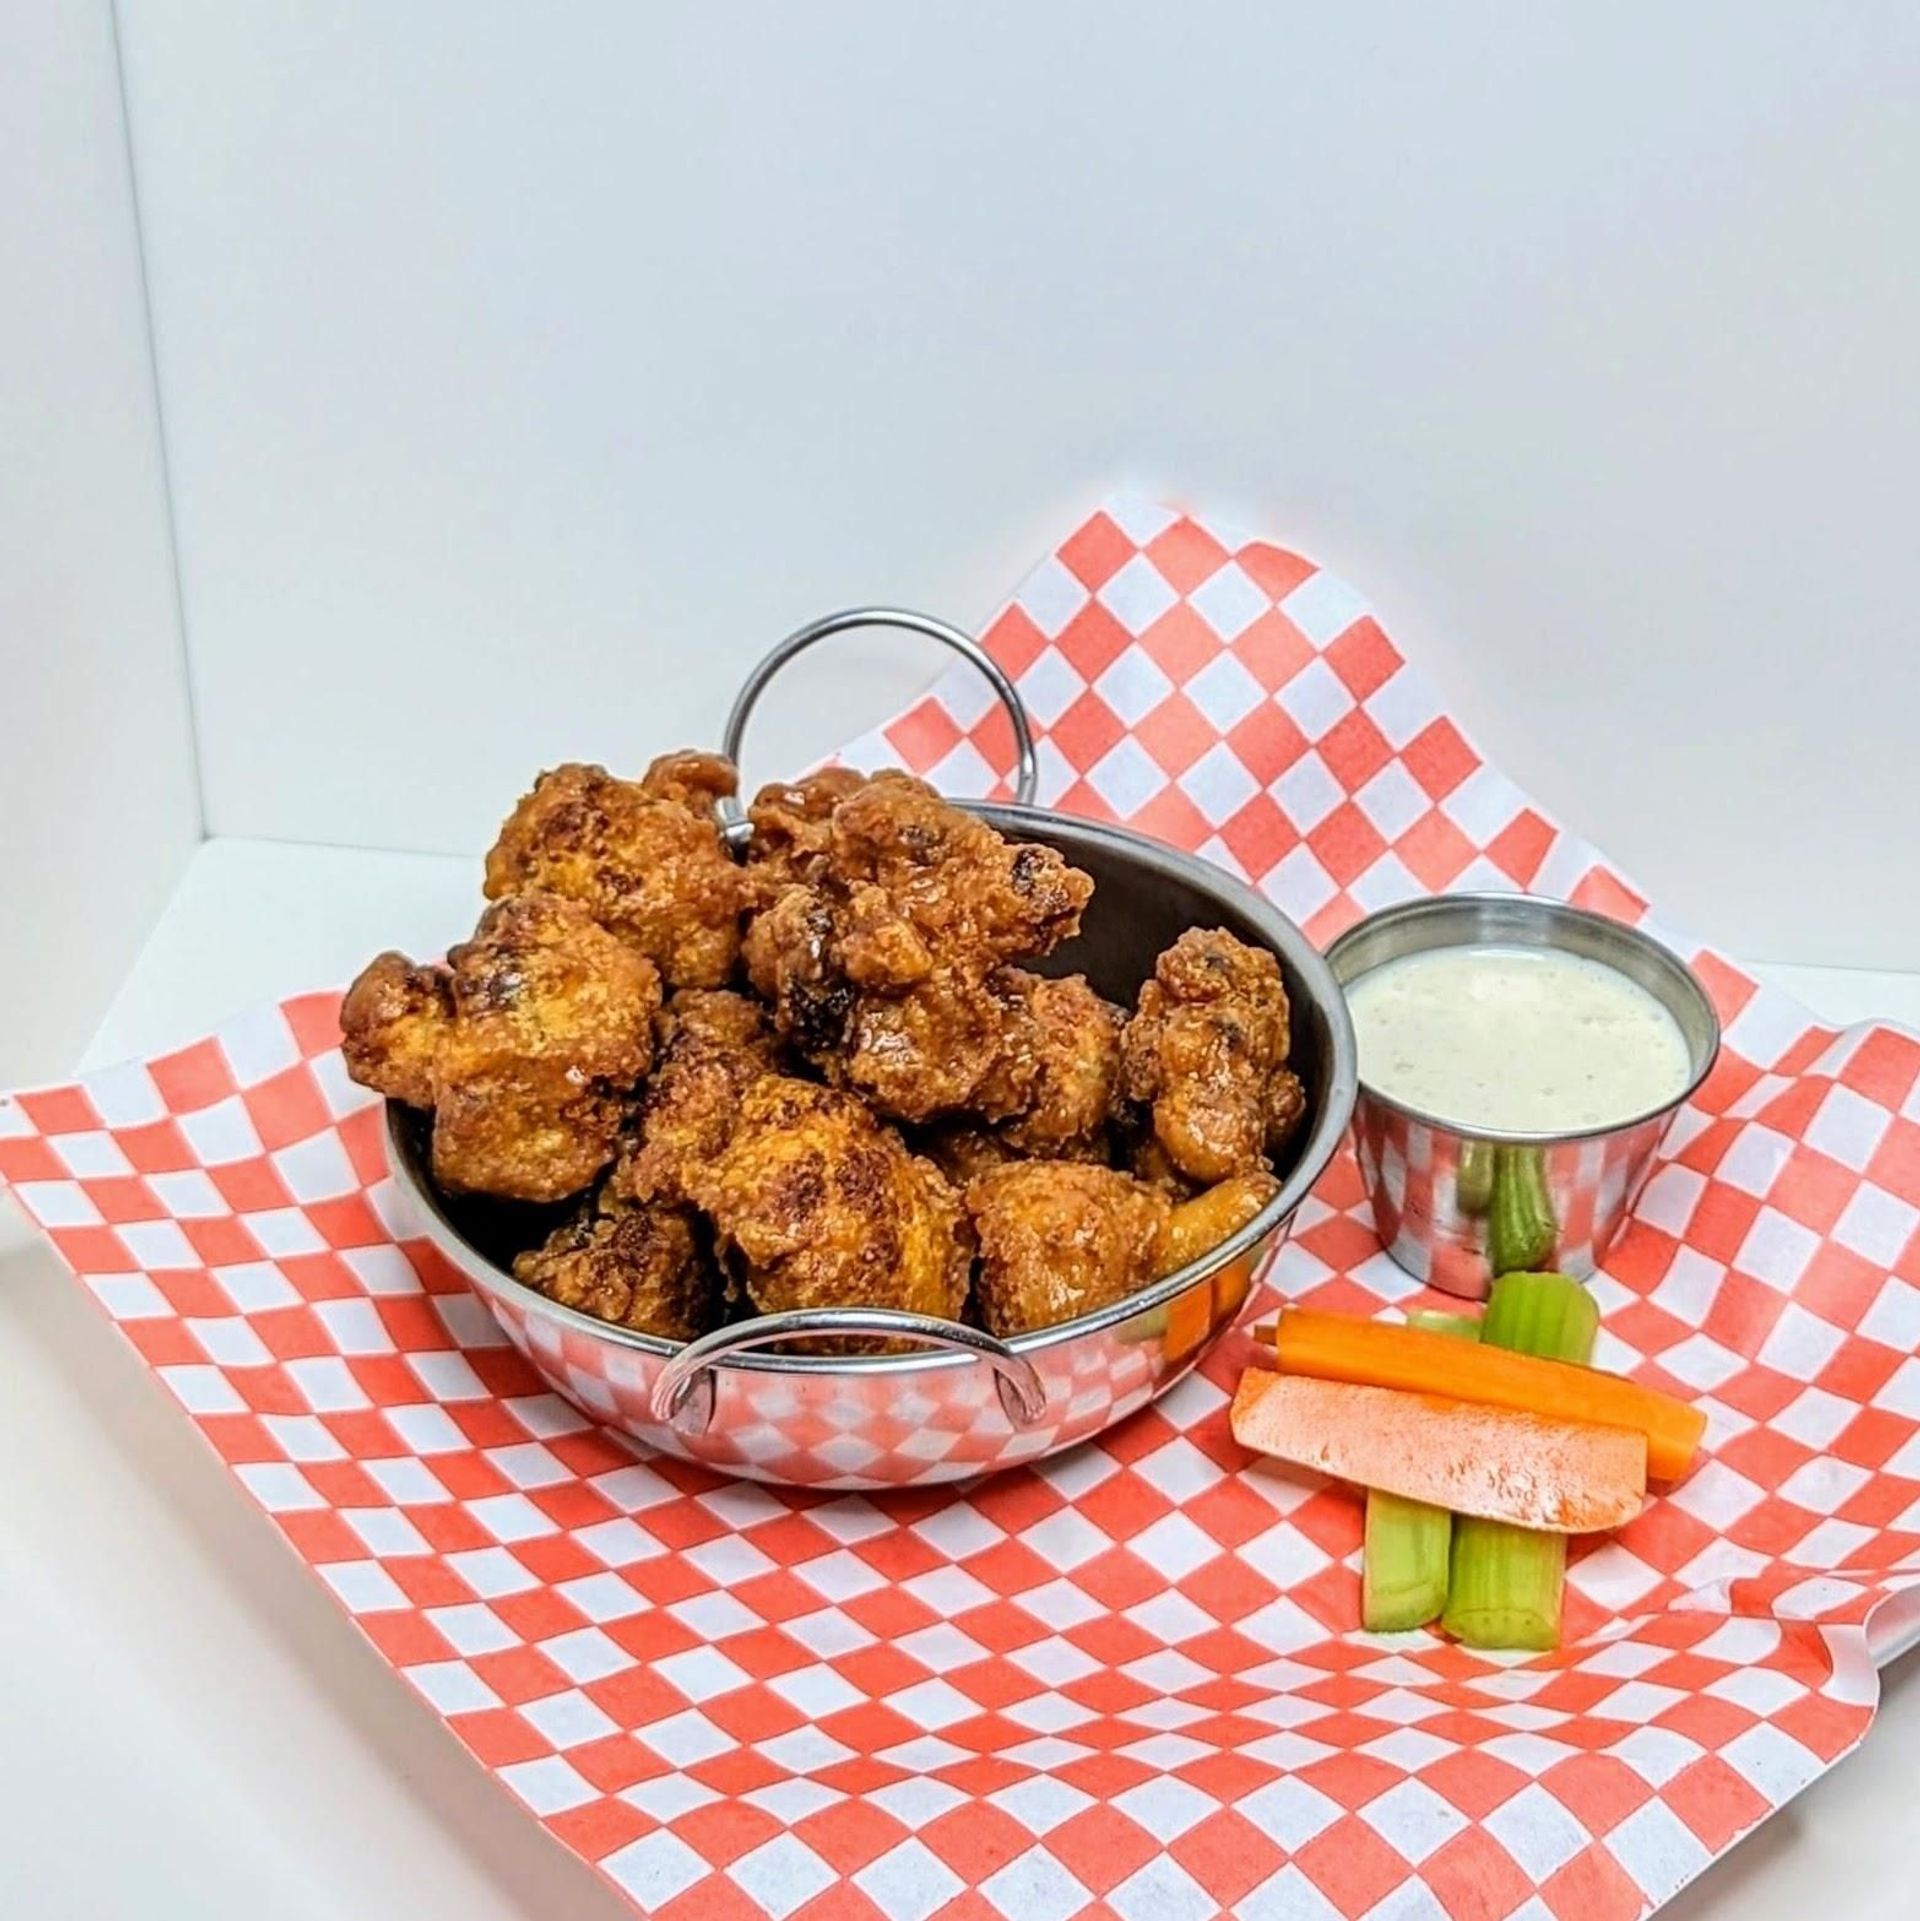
[[1456, 1208], [972, 1403]]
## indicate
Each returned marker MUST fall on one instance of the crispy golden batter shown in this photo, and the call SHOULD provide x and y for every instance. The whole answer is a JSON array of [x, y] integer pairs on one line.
[[692, 778], [939, 1048], [791, 953], [792, 825], [1056, 1057], [958, 881], [644, 857], [1198, 1226], [716, 1017], [964, 1150], [1041, 1056], [395, 1023], [639, 1267], [526, 1049], [714, 1046], [1064, 1056], [1060, 1238], [886, 966], [1147, 1161], [822, 1206], [1286, 1108], [1207, 1053]]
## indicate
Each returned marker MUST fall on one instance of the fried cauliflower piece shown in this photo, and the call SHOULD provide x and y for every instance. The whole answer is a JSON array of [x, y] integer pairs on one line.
[[943, 1047], [1064, 1057], [886, 967], [822, 1206], [395, 1023], [714, 1046], [1063, 1238], [958, 881], [645, 858], [526, 1048], [1059, 1239], [640, 1267], [792, 824], [1198, 1226], [1053, 1083], [1206, 1054], [962, 1149]]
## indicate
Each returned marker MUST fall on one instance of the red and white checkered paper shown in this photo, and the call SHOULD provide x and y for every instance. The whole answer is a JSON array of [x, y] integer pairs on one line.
[[1127, 1682]]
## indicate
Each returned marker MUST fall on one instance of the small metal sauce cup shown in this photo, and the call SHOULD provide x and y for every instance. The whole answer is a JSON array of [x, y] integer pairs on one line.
[[1456, 1207]]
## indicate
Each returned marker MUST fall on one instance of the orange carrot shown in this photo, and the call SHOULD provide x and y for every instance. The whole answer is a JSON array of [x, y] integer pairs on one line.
[[1562, 1477], [1338, 1347]]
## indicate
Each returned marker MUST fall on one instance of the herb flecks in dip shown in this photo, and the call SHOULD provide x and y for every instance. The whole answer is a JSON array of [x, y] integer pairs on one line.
[[1516, 1039]]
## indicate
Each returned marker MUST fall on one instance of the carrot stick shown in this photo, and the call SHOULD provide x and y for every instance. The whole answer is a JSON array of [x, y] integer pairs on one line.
[[1565, 1477], [1338, 1347]]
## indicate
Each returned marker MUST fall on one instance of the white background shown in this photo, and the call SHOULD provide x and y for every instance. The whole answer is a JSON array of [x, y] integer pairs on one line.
[[526, 370], [98, 811]]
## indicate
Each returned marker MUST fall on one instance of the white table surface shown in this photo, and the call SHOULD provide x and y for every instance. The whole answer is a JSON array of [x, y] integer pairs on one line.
[[189, 1727]]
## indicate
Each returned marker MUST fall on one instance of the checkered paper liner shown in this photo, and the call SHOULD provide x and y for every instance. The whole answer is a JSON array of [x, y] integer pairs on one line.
[[1126, 1682]]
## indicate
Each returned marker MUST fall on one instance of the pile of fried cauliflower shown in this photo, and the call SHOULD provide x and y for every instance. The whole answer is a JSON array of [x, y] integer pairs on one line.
[[822, 1074]]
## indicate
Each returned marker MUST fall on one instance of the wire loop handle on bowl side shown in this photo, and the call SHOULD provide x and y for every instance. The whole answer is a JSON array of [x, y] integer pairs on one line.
[[683, 1395], [733, 818]]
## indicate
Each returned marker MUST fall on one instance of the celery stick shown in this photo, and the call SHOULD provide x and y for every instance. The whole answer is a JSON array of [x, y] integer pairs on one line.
[[1431, 1320], [1504, 1591], [1403, 1567], [1544, 1314], [1505, 1584], [1403, 1563], [1521, 1229]]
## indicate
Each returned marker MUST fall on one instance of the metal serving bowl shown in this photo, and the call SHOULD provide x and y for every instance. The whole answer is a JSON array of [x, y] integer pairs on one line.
[[970, 1403], [1434, 1187]]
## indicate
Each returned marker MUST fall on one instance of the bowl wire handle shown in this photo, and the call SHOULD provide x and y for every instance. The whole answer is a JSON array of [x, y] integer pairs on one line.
[[733, 819], [683, 1393]]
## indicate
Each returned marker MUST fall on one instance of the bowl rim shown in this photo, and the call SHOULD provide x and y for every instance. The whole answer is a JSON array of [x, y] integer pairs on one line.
[[1540, 908], [1280, 934]]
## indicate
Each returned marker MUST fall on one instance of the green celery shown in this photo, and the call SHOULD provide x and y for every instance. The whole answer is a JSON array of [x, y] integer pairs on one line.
[[1521, 1229], [1506, 1582], [1545, 1314], [1431, 1320], [1403, 1563], [1504, 1591]]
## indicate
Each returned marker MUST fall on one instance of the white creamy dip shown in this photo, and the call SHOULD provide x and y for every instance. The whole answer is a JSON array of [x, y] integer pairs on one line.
[[1522, 1039]]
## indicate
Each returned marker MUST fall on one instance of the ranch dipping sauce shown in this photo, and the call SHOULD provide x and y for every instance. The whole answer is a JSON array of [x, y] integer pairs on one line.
[[1519, 1039]]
